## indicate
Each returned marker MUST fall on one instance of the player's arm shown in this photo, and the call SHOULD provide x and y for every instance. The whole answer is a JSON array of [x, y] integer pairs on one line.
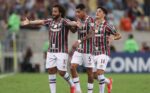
[[73, 29], [77, 43], [89, 35], [34, 22], [73, 25], [91, 30], [114, 32]]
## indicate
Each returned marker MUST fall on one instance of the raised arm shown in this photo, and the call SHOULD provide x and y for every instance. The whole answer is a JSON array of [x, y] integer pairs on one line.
[[34, 22]]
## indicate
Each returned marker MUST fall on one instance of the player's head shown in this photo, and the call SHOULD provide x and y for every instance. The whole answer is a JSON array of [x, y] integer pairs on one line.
[[58, 11], [101, 12], [80, 11]]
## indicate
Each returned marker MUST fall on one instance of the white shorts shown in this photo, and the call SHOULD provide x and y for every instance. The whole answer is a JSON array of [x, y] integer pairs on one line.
[[58, 60], [81, 58], [101, 62]]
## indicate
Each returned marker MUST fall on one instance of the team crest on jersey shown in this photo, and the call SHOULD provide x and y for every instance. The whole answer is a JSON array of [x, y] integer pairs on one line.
[[56, 27], [92, 24]]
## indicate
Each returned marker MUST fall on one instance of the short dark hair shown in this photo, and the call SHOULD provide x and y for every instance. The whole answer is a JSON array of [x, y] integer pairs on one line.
[[103, 9], [80, 6], [61, 10]]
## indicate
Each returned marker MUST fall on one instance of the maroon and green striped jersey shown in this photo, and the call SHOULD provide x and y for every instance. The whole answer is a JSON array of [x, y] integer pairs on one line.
[[87, 45], [58, 35], [101, 41]]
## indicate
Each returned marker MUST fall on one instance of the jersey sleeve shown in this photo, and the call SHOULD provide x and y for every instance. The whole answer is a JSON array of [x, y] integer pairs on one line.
[[111, 29], [66, 21], [91, 23], [47, 21]]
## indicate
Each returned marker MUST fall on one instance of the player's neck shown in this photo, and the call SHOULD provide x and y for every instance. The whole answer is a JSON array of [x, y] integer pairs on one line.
[[84, 17], [101, 20], [57, 19]]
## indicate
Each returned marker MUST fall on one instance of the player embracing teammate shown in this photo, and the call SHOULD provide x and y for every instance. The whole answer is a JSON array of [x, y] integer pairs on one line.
[[104, 34]]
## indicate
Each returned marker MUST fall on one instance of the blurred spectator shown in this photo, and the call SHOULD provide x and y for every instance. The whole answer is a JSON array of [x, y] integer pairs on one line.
[[134, 10], [147, 7], [26, 65], [3, 25], [3, 10], [101, 2], [109, 4], [71, 9], [41, 9], [14, 22], [119, 4], [29, 4], [92, 7], [145, 47], [125, 23], [118, 14], [110, 17], [131, 45], [142, 23], [45, 48]]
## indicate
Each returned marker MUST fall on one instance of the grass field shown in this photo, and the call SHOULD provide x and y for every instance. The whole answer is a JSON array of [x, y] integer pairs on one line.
[[38, 83]]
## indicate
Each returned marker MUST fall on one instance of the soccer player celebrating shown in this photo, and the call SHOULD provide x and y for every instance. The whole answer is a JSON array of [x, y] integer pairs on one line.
[[57, 56], [83, 54], [103, 33]]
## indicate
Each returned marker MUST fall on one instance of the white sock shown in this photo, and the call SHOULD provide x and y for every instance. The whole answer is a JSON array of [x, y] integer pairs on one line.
[[101, 79], [90, 87], [52, 83], [77, 83], [68, 79]]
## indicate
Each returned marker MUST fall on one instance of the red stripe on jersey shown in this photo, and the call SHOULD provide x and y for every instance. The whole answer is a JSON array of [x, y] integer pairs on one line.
[[102, 38], [91, 45], [96, 43], [84, 45], [66, 41], [59, 38]]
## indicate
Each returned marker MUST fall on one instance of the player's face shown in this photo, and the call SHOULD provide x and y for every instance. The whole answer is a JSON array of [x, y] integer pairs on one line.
[[79, 13], [55, 12], [99, 13]]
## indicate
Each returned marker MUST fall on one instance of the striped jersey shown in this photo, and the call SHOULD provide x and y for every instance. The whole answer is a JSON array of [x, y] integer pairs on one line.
[[101, 41], [58, 35], [87, 45]]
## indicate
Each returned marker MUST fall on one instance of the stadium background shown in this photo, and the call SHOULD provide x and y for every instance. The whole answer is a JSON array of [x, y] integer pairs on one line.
[[129, 16]]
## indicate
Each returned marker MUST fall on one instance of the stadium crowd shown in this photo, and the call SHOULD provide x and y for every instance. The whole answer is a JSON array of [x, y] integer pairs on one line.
[[125, 14]]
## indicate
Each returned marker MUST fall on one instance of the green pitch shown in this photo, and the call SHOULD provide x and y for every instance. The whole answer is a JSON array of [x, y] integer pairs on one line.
[[38, 83]]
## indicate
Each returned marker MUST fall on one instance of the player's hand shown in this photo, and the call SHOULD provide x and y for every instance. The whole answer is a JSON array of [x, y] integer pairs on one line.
[[75, 45], [73, 49], [25, 22], [79, 24]]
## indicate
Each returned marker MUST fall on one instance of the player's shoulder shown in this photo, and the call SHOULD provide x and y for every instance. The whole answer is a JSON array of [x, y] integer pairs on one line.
[[90, 18], [65, 19], [109, 24]]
